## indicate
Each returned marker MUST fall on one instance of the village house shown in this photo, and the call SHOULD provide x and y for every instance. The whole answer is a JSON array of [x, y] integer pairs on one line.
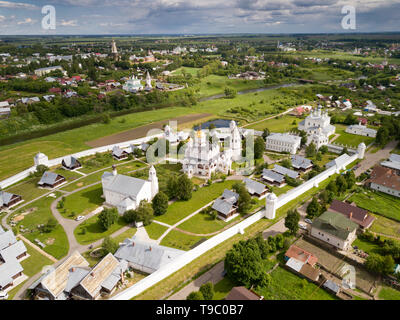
[[285, 171], [385, 180], [71, 163], [225, 205], [393, 162], [273, 177], [355, 214], [8, 200], [12, 252], [283, 142], [74, 279], [119, 154], [255, 188], [302, 262], [43, 71], [125, 192], [300, 163], [145, 256], [51, 180], [335, 229]]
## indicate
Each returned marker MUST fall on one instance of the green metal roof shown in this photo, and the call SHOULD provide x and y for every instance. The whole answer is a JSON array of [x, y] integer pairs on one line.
[[335, 224]]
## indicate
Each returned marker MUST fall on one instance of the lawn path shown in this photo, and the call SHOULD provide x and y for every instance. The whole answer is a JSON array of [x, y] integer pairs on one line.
[[268, 118]]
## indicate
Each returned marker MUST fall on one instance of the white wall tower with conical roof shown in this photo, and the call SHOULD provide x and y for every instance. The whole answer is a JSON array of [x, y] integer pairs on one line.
[[41, 159], [148, 81], [361, 150], [154, 181], [271, 204], [235, 142]]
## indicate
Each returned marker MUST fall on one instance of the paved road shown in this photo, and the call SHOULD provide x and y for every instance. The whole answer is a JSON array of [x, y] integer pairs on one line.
[[371, 159]]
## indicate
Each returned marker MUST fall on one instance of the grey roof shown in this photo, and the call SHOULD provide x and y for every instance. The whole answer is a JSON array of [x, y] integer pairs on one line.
[[5, 198], [393, 162], [126, 185], [254, 186], [138, 252], [49, 178], [332, 286], [6, 238], [339, 161], [115, 276], [8, 270], [71, 161], [299, 162], [230, 196], [144, 146], [222, 206], [13, 251], [394, 157], [285, 171], [75, 277], [117, 151], [272, 176], [284, 137]]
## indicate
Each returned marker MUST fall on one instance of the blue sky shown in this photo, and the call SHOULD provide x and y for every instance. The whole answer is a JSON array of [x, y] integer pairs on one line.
[[197, 16]]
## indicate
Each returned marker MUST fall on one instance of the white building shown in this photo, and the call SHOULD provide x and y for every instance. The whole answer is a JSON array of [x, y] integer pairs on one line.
[[41, 159], [148, 82], [204, 158], [283, 142], [318, 127], [361, 130], [126, 192], [133, 85], [42, 71]]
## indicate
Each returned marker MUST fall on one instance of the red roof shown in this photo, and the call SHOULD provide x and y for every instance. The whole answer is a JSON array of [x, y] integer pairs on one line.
[[55, 90], [302, 255], [356, 214]]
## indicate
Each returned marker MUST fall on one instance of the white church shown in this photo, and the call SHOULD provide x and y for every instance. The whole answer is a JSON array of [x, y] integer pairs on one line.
[[203, 158], [125, 192], [318, 127]]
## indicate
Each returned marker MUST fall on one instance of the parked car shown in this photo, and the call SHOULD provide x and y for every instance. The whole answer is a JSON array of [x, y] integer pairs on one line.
[[3, 295], [79, 218], [308, 221], [302, 226]]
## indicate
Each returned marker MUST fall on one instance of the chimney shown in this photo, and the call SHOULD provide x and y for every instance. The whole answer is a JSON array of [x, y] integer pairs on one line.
[[114, 168], [92, 274], [351, 215], [72, 269], [133, 244], [150, 248]]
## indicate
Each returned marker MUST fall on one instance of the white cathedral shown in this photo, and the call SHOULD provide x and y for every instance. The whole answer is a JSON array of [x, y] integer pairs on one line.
[[203, 158], [318, 127], [125, 192]]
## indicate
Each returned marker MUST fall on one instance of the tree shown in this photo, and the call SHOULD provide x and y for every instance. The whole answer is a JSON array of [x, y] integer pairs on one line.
[[172, 187], [207, 290], [292, 221], [287, 163], [195, 295], [109, 245], [230, 93], [382, 136], [259, 147], [344, 151], [244, 202], [184, 188], [313, 209], [323, 149], [160, 203], [380, 264], [266, 133], [144, 213], [108, 217], [50, 225], [341, 184], [311, 150]]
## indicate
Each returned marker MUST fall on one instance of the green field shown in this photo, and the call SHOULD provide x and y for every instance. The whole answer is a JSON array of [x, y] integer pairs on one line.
[[180, 209], [83, 202], [388, 293], [56, 241], [386, 226], [222, 288], [94, 231], [287, 286], [281, 124], [378, 202], [179, 240], [27, 189], [155, 230], [351, 140]]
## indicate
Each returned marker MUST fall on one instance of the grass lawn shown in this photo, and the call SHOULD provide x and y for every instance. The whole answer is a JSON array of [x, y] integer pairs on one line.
[[56, 241], [386, 226], [202, 223], [349, 139], [27, 189], [94, 231], [278, 191], [378, 202], [388, 293], [155, 230], [180, 209], [179, 240], [222, 288], [287, 286], [366, 246], [280, 124], [83, 202], [32, 265]]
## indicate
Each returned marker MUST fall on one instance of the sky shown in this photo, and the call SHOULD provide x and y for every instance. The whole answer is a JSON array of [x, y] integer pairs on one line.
[[24, 17]]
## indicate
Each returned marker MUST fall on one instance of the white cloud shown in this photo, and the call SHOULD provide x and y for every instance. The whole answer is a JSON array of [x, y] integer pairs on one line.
[[17, 5], [69, 23], [27, 21]]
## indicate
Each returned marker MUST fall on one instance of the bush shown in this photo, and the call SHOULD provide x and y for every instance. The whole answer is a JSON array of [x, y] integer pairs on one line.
[[160, 203], [108, 217]]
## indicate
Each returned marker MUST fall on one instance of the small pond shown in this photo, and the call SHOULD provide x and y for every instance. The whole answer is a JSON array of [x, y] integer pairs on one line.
[[218, 123]]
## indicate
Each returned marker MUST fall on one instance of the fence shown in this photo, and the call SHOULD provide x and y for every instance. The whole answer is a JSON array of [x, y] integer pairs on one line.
[[54, 162], [189, 256]]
